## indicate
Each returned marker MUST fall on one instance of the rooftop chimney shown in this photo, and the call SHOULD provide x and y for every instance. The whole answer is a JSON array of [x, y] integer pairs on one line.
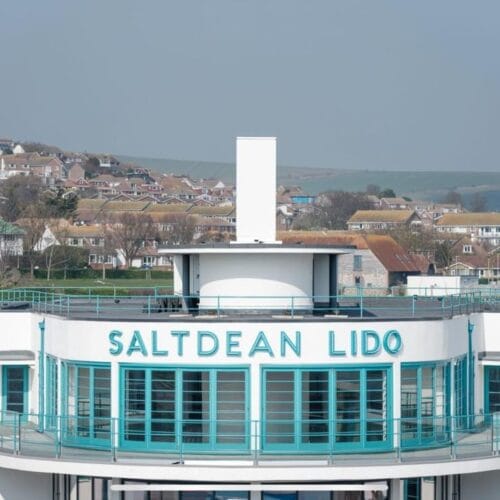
[[256, 190]]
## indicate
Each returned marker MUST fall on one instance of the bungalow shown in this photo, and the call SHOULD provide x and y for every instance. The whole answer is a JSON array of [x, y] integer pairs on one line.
[[375, 220]]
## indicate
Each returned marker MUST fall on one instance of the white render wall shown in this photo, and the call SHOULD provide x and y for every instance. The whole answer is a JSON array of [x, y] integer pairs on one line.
[[277, 276], [256, 189], [481, 486], [19, 485]]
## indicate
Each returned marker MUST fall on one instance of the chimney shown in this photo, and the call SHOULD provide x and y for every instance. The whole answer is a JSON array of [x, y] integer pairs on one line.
[[256, 190]]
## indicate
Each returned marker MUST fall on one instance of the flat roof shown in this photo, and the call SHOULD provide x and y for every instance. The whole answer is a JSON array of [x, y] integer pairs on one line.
[[258, 248]]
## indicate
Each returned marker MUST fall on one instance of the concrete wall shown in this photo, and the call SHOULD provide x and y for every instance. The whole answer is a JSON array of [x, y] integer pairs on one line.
[[17, 485], [483, 486]]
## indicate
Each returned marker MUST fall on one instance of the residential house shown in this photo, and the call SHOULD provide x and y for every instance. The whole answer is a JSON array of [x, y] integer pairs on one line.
[[11, 239], [107, 161], [483, 227], [49, 168], [473, 259], [375, 220], [75, 172], [375, 261], [394, 204]]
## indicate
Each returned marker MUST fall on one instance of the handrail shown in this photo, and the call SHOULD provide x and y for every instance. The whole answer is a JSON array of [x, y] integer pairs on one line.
[[362, 306], [390, 440]]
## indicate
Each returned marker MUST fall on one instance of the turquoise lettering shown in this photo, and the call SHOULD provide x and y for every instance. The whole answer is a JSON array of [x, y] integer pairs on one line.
[[232, 343], [392, 341], [180, 334], [287, 341], [215, 343], [367, 337], [354, 343], [261, 344], [117, 346], [137, 344], [154, 340], [333, 352]]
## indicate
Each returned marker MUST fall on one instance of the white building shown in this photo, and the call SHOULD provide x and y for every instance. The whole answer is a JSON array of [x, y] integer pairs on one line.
[[256, 380]]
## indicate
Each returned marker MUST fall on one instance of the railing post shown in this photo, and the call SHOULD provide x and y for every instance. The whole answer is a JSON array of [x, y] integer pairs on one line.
[[58, 436], [218, 306], [361, 305], [292, 307], [97, 305], [149, 305], [19, 433], [114, 437]]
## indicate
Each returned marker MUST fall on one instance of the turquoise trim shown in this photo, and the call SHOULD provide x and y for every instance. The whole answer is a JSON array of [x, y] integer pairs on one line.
[[51, 392], [86, 419], [298, 438], [6, 379], [189, 434], [427, 426]]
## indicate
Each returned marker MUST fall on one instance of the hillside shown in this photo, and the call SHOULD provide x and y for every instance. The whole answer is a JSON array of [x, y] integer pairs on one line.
[[421, 185]]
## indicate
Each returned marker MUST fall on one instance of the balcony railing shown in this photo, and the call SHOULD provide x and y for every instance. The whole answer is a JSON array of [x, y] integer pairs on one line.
[[348, 441], [171, 307]]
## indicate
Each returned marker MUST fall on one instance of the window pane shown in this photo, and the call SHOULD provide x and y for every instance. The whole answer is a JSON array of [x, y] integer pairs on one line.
[[280, 408], [231, 407], [315, 426], [195, 407], [348, 411]]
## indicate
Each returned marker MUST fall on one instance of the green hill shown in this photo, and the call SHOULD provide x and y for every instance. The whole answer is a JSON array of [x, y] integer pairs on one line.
[[417, 185]]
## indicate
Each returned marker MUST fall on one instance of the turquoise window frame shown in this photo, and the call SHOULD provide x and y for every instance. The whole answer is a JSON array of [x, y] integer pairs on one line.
[[460, 391], [332, 443], [429, 430], [178, 443], [418, 489], [5, 379], [71, 434], [487, 378], [51, 392]]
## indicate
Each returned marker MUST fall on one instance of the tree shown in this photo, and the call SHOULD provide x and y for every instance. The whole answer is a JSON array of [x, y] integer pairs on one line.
[[177, 229], [335, 208], [478, 203], [91, 167], [373, 189], [130, 233], [444, 253], [453, 198], [19, 192], [34, 223], [387, 193], [60, 203]]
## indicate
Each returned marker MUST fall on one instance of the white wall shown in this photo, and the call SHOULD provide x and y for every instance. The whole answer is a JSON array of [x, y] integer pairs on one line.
[[321, 277], [483, 486], [17, 485], [279, 276], [256, 189]]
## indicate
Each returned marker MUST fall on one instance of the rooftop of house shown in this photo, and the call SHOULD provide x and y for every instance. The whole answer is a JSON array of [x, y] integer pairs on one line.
[[470, 219], [395, 201], [382, 216], [392, 256], [9, 228]]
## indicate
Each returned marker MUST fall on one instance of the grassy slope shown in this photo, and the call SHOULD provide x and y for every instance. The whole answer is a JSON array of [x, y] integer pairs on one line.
[[418, 185]]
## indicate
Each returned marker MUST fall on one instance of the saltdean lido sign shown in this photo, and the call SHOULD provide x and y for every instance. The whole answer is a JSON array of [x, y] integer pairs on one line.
[[237, 343]]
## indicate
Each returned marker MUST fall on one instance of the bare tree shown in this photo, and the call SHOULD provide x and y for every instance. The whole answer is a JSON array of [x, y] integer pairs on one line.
[[130, 233], [334, 210], [177, 229], [33, 222]]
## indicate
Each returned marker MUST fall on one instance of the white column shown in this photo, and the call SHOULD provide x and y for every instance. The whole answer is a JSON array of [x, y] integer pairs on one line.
[[397, 489]]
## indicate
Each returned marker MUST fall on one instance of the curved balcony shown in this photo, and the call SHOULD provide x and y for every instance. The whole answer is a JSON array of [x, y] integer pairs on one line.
[[149, 304]]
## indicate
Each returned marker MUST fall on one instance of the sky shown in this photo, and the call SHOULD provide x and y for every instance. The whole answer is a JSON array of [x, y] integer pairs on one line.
[[356, 84]]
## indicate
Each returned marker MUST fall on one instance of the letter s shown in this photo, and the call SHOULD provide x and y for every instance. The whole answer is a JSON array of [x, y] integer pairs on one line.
[[117, 346]]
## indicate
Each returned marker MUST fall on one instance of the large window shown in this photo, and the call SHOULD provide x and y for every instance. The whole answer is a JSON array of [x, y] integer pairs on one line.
[[424, 403], [192, 409], [87, 403], [492, 388], [51, 392], [15, 388], [460, 391], [326, 409]]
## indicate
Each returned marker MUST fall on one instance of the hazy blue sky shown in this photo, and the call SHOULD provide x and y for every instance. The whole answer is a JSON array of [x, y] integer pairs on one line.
[[347, 84]]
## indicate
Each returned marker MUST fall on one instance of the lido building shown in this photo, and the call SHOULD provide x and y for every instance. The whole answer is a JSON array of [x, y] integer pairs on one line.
[[256, 379]]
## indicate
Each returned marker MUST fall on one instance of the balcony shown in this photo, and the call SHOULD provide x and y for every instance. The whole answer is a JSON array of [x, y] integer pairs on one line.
[[154, 304], [251, 443]]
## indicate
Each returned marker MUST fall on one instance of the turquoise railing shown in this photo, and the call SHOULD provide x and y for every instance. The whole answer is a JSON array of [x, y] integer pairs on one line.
[[443, 438], [282, 307]]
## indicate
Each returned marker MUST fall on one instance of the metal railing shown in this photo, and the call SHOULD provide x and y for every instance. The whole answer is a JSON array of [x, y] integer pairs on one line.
[[339, 441], [164, 306]]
